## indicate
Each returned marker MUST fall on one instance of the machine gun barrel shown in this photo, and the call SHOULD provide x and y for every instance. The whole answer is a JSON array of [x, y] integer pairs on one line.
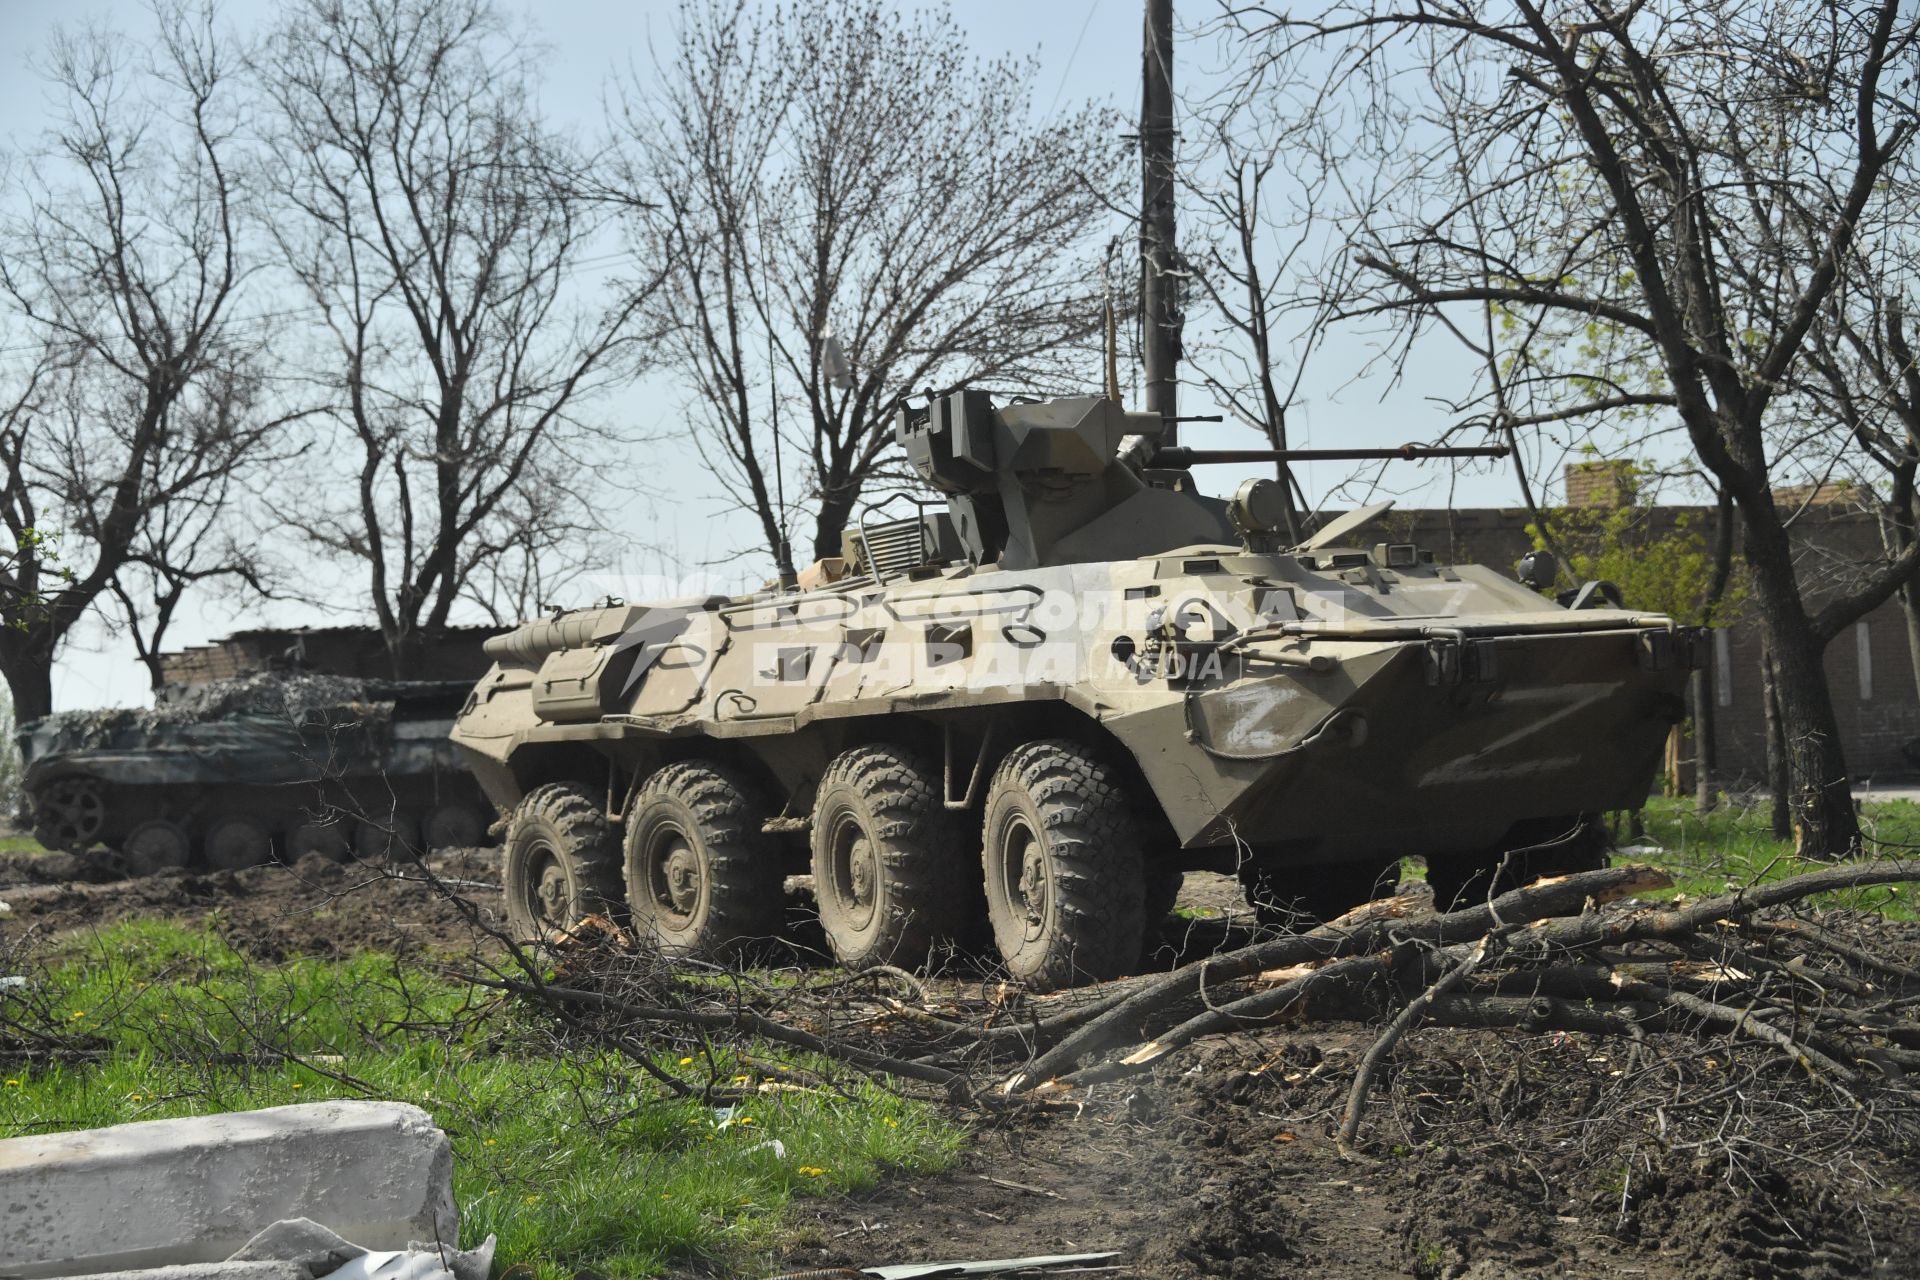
[[1181, 457]]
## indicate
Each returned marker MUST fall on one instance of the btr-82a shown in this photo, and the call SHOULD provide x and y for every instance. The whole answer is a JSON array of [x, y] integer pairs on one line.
[[1045, 698]]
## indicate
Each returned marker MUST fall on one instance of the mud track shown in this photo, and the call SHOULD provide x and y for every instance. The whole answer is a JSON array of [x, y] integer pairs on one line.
[[1495, 1155]]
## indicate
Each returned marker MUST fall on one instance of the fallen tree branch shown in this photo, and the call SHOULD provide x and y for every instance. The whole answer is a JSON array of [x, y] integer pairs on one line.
[[1374, 927], [1370, 1065], [737, 1019]]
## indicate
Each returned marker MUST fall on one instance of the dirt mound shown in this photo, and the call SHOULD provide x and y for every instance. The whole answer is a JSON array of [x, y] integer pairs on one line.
[[315, 907]]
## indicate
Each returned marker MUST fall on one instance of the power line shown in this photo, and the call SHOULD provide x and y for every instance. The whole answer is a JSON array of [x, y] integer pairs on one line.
[[1061, 91]]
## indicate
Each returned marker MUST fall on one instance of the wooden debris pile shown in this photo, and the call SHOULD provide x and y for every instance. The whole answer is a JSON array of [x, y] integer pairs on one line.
[[1576, 954]]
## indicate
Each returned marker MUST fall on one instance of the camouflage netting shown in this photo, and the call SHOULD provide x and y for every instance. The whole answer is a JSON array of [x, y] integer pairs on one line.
[[268, 693], [292, 700]]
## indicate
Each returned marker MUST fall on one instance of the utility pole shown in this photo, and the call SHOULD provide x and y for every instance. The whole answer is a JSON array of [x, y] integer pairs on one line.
[[1161, 319]]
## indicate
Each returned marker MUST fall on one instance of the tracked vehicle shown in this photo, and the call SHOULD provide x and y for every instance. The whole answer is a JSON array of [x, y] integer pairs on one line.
[[268, 743], [1041, 701]]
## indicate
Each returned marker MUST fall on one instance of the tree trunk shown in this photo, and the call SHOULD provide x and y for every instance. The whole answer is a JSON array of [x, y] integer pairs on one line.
[[836, 510], [29, 673], [1819, 793], [1782, 825], [1910, 609], [403, 651], [1705, 751]]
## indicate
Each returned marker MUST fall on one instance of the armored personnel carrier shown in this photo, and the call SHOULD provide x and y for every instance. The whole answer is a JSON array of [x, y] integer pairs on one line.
[[267, 742], [1042, 700]]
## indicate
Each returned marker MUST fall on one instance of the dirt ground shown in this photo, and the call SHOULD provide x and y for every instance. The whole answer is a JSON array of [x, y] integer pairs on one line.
[[317, 907], [1487, 1156], [1218, 1167]]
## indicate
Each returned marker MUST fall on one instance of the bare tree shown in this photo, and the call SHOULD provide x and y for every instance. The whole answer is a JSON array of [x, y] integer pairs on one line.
[[142, 397], [844, 170], [1652, 203], [206, 537], [439, 228], [1256, 251]]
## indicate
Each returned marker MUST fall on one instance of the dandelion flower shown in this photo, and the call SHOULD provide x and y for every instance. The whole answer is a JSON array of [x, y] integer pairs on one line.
[[686, 1062], [491, 1141]]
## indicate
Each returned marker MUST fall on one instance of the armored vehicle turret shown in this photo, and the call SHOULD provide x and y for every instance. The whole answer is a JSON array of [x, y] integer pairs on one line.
[[1043, 699], [273, 742]]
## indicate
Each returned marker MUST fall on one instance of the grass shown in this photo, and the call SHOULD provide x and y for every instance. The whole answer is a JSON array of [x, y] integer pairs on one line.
[[1733, 845], [20, 843], [574, 1160]]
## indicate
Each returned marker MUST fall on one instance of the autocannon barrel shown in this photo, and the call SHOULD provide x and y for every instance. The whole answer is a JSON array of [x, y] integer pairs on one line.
[[532, 641], [1179, 456]]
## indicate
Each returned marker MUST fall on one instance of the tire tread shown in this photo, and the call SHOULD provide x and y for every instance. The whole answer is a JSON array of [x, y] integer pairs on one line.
[[746, 895], [1099, 869]]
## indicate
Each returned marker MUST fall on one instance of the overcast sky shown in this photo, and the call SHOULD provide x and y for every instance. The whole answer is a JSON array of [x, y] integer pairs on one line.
[[1086, 50]]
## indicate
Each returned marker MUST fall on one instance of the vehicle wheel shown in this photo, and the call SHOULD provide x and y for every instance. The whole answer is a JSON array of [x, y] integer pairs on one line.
[[1066, 887], [237, 842], [890, 868], [1302, 897], [455, 826], [68, 814], [156, 845], [328, 839], [562, 862], [1531, 851], [702, 880]]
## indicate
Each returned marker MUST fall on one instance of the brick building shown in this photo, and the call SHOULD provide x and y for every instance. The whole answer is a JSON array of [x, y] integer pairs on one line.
[[359, 652], [1870, 667]]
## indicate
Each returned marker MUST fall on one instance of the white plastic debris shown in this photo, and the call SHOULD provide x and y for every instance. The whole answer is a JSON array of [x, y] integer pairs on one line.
[[324, 1253], [13, 982], [983, 1267]]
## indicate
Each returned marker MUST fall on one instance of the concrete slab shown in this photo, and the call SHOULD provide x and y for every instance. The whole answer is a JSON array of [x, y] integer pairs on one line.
[[172, 1192]]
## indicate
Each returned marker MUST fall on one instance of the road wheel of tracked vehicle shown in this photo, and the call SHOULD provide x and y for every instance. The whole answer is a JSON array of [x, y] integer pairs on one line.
[[455, 826], [562, 862], [702, 879], [328, 839], [1066, 887], [386, 837], [236, 842], [891, 873], [156, 845], [1532, 850], [68, 814], [1301, 897]]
